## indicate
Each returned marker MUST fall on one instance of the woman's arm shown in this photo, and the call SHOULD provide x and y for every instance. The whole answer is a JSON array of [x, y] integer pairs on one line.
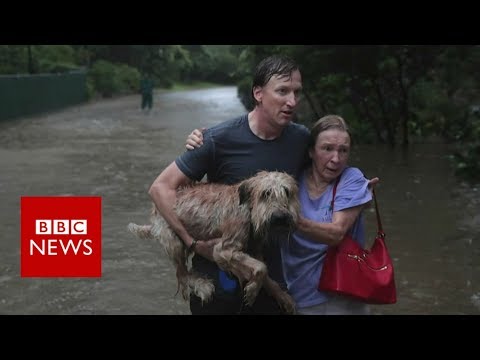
[[330, 233]]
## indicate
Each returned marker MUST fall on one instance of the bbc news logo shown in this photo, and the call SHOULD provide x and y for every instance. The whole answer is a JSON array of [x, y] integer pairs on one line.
[[60, 227], [61, 236]]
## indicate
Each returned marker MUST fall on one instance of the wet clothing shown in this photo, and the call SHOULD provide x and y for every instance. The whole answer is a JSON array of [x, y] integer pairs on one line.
[[336, 305], [303, 258], [231, 152], [146, 89]]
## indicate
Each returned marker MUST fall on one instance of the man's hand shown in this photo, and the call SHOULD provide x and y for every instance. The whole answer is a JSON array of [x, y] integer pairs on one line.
[[195, 139], [205, 248]]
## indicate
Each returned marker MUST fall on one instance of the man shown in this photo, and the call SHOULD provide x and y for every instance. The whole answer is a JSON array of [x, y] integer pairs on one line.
[[264, 139], [146, 89]]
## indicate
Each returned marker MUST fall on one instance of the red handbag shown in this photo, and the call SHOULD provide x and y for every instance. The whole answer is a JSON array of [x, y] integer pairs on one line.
[[366, 275]]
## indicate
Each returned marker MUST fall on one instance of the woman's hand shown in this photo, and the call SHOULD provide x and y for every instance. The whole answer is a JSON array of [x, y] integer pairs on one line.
[[373, 182]]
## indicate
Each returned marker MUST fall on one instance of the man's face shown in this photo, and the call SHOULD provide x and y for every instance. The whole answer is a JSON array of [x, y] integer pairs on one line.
[[279, 98]]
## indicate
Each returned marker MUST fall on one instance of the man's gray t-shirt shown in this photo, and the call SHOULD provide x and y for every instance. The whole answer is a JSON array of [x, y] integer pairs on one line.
[[231, 152]]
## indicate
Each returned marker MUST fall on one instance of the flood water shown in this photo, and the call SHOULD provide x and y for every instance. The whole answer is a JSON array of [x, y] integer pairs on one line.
[[111, 149]]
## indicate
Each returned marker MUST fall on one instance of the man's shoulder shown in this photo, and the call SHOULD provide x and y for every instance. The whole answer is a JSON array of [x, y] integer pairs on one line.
[[235, 122], [296, 135], [299, 129], [227, 129]]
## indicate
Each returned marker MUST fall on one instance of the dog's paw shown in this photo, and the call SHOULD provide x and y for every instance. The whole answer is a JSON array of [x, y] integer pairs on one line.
[[251, 292], [286, 302], [132, 228], [203, 288]]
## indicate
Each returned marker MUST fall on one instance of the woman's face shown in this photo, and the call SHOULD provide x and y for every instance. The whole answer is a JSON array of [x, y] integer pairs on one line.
[[330, 153]]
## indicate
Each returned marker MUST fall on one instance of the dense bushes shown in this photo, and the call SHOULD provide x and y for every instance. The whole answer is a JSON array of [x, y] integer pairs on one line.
[[107, 79]]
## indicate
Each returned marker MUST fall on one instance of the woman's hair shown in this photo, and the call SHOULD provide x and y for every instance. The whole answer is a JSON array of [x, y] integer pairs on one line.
[[326, 123]]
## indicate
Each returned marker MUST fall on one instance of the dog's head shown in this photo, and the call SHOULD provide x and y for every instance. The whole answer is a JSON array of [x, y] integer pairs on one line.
[[273, 201]]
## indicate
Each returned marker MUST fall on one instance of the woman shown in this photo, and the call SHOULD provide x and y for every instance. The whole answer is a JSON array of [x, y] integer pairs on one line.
[[304, 253], [321, 226]]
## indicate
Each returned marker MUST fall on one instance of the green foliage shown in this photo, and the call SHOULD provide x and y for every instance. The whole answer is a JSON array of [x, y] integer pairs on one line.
[[53, 58], [43, 58], [428, 104], [211, 63], [90, 88], [169, 64], [56, 67], [13, 59], [387, 93], [54, 53], [128, 79], [244, 93], [109, 79], [466, 155], [103, 78], [360, 130], [465, 160], [193, 86]]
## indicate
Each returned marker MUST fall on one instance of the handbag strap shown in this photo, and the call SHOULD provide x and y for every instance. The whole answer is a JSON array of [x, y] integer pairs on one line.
[[377, 212]]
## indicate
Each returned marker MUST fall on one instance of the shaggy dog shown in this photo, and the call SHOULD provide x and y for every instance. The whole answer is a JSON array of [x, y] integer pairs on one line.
[[244, 216]]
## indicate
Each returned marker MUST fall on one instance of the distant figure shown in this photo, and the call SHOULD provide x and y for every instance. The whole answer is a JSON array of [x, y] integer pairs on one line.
[[146, 89]]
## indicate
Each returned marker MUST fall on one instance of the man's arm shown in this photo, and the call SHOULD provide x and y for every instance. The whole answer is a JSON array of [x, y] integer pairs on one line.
[[163, 192]]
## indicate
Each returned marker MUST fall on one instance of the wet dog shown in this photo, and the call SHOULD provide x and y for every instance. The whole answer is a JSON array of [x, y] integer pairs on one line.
[[244, 216]]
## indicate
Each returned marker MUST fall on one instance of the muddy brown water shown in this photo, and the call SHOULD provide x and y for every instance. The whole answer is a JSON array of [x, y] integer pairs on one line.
[[111, 149]]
